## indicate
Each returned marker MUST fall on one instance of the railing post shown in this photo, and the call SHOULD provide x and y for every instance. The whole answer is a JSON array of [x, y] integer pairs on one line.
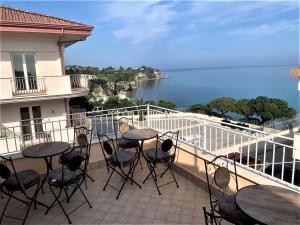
[[148, 115], [205, 126]]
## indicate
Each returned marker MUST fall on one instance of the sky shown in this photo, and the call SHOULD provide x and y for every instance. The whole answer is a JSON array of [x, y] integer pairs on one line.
[[179, 34]]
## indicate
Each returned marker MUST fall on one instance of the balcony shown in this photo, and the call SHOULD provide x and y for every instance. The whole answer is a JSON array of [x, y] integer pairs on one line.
[[42, 87], [181, 205], [264, 158]]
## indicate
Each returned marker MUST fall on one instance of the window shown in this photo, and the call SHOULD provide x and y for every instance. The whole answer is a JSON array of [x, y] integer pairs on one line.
[[24, 71], [31, 121]]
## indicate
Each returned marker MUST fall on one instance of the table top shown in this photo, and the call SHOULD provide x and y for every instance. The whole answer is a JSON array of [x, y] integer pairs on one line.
[[47, 149], [269, 204], [139, 134]]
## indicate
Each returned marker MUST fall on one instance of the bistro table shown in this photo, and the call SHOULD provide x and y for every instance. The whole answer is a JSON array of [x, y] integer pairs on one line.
[[46, 151], [140, 135], [269, 205]]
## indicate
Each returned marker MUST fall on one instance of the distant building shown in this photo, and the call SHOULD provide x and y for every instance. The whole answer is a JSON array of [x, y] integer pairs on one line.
[[296, 73], [33, 84]]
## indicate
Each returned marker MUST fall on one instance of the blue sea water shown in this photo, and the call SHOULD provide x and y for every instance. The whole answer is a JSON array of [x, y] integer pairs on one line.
[[187, 87]]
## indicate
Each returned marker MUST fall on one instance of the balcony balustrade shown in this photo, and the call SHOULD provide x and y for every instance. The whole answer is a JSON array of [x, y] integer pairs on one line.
[[41, 86], [28, 85], [262, 154]]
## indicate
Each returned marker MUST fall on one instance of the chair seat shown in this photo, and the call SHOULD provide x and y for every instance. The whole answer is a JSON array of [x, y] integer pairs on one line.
[[70, 177], [228, 207], [161, 155], [27, 178], [65, 158], [124, 143], [122, 157]]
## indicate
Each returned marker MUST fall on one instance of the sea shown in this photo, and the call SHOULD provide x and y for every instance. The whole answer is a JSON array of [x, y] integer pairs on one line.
[[186, 87]]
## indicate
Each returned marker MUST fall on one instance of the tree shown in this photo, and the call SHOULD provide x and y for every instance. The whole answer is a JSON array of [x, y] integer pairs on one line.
[[243, 107], [166, 104], [199, 108], [115, 102], [271, 109], [223, 105], [82, 102]]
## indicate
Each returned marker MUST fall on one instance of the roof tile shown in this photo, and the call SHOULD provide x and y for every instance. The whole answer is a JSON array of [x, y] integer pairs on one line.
[[12, 15]]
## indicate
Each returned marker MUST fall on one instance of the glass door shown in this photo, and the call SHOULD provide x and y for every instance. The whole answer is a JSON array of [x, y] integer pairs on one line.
[[31, 122], [24, 71], [31, 72], [20, 83], [26, 124], [37, 121]]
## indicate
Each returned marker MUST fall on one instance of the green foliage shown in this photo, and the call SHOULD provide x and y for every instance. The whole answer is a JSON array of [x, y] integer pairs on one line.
[[82, 102], [200, 108], [161, 103], [166, 104], [243, 107], [223, 105], [261, 108], [111, 74], [271, 108], [115, 102]]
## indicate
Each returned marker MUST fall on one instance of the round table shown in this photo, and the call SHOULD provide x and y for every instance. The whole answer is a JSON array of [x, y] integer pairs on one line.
[[140, 135], [269, 204], [46, 151]]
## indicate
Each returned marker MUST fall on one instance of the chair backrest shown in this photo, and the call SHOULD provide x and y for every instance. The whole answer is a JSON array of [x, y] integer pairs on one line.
[[220, 172], [5, 172], [107, 145], [75, 163], [83, 137], [168, 142], [122, 125]]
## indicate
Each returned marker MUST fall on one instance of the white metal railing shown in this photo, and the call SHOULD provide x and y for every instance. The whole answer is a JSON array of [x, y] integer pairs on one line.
[[284, 123], [28, 85], [268, 154], [78, 81]]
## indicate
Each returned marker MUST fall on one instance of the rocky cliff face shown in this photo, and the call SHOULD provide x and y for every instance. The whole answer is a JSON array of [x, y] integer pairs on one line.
[[119, 88]]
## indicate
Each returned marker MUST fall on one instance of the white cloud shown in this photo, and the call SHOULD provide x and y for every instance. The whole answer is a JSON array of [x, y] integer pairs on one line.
[[141, 22], [266, 29]]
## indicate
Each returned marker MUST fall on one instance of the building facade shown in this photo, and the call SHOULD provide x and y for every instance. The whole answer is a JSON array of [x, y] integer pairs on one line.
[[33, 85]]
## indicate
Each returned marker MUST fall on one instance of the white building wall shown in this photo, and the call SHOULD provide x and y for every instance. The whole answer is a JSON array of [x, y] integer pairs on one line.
[[51, 110], [44, 47]]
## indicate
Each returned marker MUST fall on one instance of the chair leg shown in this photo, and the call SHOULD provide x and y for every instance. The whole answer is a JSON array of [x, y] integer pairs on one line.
[[27, 212], [154, 177], [165, 171], [8, 200], [148, 174], [59, 203], [55, 199], [85, 197], [173, 176], [109, 178], [127, 176]]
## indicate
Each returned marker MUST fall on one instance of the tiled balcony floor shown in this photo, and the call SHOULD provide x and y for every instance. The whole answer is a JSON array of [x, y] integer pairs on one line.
[[181, 205]]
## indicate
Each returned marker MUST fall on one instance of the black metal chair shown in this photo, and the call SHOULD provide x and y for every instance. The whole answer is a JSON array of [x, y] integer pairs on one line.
[[122, 125], [83, 137], [69, 175], [221, 198], [212, 219], [163, 153], [14, 182], [118, 161]]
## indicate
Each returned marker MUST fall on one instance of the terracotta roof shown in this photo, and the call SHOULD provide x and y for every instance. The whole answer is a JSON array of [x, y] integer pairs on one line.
[[10, 17]]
